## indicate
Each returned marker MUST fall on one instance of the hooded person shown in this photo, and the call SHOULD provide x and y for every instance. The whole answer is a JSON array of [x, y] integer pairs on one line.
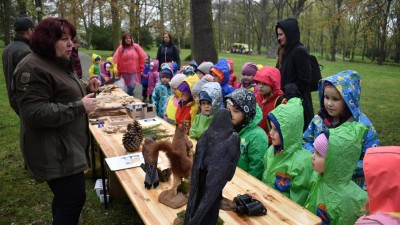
[[246, 115], [153, 77], [233, 80], [187, 70], [268, 80], [288, 167], [162, 91], [381, 168], [294, 65], [334, 197], [173, 101], [194, 64], [94, 69], [187, 108], [221, 73], [348, 90], [198, 85], [210, 99], [204, 68], [249, 70]]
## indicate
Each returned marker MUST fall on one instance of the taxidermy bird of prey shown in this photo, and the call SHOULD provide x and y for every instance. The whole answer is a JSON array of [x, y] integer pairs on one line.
[[214, 164], [179, 153]]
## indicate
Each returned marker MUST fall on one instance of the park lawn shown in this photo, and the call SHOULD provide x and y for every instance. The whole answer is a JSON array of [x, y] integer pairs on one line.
[[25, 201]]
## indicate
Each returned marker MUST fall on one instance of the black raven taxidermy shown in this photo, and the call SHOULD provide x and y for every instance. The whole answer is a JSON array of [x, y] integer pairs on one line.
[[214, 164]]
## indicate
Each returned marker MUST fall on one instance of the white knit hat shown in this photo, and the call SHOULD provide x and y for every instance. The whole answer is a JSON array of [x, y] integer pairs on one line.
[[177, 80]]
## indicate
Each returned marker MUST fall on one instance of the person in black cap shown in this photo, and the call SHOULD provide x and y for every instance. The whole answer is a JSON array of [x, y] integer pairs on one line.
[[17, 50]]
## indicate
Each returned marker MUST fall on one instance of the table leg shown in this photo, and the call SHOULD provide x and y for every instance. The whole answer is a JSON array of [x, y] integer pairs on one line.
[[103, 179], [93, 154]]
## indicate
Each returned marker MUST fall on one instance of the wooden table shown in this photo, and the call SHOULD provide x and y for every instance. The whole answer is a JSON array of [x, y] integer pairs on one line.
[[281, 210]]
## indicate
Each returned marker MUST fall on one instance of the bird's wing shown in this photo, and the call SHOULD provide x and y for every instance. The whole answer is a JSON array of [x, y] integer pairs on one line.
[[221, 164], [201, 148]]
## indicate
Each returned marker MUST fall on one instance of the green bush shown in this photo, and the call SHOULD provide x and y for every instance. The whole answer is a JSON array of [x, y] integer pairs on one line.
[[143, 37], [101, 38]]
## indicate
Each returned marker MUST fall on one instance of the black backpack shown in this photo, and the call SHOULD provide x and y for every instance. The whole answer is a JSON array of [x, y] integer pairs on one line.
[[316, 69], [315, 72]]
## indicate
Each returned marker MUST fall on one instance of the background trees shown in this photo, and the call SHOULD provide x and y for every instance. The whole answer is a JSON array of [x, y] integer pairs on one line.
[[362, 30]]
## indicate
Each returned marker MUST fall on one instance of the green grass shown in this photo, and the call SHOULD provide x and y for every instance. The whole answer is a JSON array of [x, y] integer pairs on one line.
[[25, 201]]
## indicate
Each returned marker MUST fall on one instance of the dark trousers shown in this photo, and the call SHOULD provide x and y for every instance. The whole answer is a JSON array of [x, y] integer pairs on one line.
[[69, 198], [144, 91]]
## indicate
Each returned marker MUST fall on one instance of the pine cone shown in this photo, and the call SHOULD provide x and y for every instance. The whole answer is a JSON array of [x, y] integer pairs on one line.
[[132, 139]]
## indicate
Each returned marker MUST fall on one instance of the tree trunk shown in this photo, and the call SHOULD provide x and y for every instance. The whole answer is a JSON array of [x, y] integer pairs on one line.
[[203, 48], [335, 34], [132, 18], [39, 10], [382, 56], [5, 18], [161, 9], [116, 23], [22, 9]]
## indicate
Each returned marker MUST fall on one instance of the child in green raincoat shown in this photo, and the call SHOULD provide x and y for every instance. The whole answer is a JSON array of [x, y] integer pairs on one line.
[[210, 100], [246, 115], [287, 165], [334, 197]]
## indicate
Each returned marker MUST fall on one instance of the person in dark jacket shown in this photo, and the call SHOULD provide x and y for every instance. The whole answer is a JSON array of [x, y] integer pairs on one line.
[[168, 52], [16, 51], [294, 66], [75, 56], [53, 104]]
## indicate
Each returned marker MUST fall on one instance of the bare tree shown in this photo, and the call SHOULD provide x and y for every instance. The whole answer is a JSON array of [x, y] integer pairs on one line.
[[5, 8], [396, 35], [22, 8], [116, 23], [280, 6], [383, 26], [203, 47]]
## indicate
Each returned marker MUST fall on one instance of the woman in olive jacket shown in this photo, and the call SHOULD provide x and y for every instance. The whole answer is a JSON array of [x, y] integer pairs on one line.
[[53, 104]]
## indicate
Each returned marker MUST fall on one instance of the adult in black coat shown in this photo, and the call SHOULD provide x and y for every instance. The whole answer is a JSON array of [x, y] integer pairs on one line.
[[167, 51], [294, 65], [214, 164]]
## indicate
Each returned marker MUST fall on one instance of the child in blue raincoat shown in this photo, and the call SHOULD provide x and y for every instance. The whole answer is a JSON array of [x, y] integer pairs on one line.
[[339, 97]]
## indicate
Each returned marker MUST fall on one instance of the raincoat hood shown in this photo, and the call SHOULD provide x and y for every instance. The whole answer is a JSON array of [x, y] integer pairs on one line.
[[223, 66], [254, 122], [291, 124], [381, 169], [94, 56], [213, 90], [155, 66], [291, 29], [272, 77], [334, 197], [348, 83], [344, 149]]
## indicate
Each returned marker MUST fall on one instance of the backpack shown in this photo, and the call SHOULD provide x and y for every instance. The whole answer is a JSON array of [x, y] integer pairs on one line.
[[315, 72], [316, 69]]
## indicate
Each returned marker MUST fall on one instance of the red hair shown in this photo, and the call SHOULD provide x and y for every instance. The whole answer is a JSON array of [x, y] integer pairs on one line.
[[47, 33], [126, 35]]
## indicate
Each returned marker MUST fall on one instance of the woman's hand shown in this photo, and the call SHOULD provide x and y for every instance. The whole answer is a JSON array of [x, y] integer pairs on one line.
[[93, 84], [89, 102]]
